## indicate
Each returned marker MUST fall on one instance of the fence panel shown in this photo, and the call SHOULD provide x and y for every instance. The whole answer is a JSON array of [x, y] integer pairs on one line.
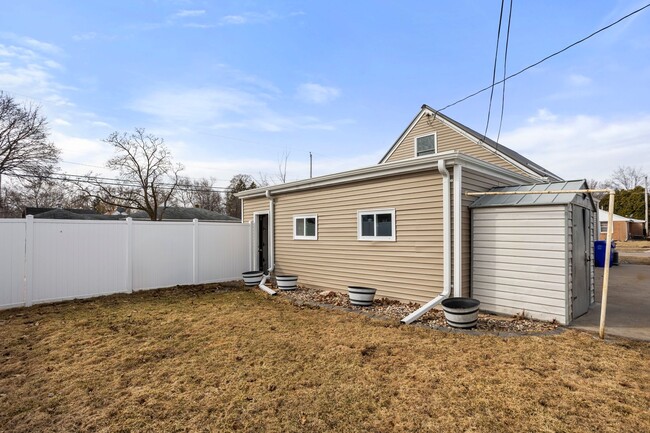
[[162, 254], [78, 259], [12, 263], [223, 251], [53, 260]]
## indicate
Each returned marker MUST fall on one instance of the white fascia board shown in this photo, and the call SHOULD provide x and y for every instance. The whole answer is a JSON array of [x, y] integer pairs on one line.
[[413, 165]]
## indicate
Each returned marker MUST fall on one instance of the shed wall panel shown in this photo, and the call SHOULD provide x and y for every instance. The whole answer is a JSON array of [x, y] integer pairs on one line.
[[515, 273]]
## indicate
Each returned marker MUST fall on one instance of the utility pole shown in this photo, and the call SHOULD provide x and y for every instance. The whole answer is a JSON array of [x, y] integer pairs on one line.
[[310, 166], [646, 206]]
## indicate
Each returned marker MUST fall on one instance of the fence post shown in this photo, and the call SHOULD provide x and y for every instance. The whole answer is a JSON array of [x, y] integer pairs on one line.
[[195, 251], [128, 283], [29, 260]]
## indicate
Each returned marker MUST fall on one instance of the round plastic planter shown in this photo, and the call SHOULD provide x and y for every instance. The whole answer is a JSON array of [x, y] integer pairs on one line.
[[461, 312], [361, 296], [287, 282], [252, 278]]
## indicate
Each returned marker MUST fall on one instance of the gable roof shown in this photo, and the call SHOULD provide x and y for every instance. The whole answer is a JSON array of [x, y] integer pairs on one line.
[[67, 214], [536, 199], [501, 150]]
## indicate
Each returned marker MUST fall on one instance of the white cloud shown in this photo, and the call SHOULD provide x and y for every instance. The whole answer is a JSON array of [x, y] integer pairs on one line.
[[185, 13], [87, 36], [248, 18], [61, 122], [579, 80], [583, 146], [316, 93], [100, 124], [542, 115], [223, 108], [31, 43]]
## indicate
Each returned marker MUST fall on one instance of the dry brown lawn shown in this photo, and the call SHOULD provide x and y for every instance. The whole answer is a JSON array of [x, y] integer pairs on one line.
[[196, 359]]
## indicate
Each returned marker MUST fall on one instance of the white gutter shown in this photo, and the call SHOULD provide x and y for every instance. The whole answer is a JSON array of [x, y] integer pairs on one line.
[[446, 250], [271, 246]]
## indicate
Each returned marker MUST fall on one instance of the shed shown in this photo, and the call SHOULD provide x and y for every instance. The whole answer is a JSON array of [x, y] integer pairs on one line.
[[532, 253]]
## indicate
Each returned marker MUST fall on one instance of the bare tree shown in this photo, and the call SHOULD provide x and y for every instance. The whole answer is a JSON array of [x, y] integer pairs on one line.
[[199, 193], [239, 182], [24, 149], [626, 178], [148, 178], [282, 166]]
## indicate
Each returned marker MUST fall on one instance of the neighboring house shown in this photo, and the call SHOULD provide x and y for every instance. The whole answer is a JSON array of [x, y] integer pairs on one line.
[[70, 214], [65, 214], [625, 229], [401, 226], [185, 214]]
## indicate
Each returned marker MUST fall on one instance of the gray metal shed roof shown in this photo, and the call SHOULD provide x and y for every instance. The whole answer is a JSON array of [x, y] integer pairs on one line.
[[533, 199]]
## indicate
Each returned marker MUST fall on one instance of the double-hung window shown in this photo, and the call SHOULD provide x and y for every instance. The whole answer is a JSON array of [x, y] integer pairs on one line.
[[305, 227], [426, 145], [376, 225]]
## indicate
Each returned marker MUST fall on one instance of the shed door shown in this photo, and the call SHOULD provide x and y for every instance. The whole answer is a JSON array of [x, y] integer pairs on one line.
[[581, 257]]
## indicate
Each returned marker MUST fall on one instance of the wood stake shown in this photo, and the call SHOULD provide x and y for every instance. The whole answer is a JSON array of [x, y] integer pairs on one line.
[[608, 250]]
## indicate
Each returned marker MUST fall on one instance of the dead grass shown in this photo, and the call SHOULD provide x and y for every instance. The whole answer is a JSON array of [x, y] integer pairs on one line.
[[196, 359], [633, 245]]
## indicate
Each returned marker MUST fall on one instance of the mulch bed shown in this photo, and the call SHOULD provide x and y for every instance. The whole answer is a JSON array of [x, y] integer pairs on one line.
[[396, 310]]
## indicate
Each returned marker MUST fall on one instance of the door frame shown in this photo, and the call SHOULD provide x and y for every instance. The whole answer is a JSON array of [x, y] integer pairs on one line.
[[256, 237]]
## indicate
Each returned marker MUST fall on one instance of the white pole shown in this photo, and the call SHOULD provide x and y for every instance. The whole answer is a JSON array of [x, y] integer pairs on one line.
[[646, 207], [608, 250]]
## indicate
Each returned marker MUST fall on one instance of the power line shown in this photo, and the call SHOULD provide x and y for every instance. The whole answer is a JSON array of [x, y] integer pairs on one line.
[[494, 71], [547, 57], [505, 68], [66, 177]]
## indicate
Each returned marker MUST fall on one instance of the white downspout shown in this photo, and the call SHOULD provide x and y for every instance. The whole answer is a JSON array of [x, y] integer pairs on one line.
[[458, 231], [271, 247], [446, 250]]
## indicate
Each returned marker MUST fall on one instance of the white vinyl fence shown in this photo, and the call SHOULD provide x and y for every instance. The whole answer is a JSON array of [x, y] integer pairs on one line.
[[51, 260]]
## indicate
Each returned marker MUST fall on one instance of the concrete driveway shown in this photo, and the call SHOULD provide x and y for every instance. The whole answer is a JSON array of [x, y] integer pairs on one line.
[[628, 303]]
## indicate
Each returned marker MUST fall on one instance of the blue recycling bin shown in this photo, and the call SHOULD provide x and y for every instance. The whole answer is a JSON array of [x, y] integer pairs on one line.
[[600, 249]]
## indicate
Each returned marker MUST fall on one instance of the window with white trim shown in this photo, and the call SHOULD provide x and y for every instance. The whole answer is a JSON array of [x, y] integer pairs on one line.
[[603, 226], [426, 145], [305, 227], [376, 225]]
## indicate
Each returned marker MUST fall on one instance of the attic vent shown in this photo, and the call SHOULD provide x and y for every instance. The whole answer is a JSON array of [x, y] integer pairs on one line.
[[426, 145]]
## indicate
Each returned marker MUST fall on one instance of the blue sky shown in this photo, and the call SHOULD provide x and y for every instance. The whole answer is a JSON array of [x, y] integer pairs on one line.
[[232, 85]]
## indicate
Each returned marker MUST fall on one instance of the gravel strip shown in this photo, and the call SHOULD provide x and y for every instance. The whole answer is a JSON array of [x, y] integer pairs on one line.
[[392, 309]]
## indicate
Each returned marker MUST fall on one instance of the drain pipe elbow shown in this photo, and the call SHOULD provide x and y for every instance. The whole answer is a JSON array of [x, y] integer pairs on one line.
[[271, 246], [446, 248]]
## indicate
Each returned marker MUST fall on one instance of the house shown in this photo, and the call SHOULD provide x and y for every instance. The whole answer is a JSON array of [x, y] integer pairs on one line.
[[174, 213], [401, 226], [625, 229], [66, 214]]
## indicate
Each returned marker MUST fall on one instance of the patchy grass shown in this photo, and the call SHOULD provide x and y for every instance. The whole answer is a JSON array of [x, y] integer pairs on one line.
[[641, 245], [199, 359]]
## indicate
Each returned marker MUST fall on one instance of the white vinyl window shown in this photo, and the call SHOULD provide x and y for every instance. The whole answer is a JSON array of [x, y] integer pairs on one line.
[[376, 225], [603, 226], [426, 145], [305, 227]]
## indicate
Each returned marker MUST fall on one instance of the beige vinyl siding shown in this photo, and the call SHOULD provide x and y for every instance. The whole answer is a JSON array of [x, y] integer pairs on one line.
[[519, 261], [409, 269], [472, 182], [252, 205], [447, 139]]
